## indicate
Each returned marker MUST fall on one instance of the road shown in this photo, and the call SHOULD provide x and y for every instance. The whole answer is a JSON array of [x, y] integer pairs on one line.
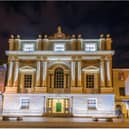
[[49, 122]]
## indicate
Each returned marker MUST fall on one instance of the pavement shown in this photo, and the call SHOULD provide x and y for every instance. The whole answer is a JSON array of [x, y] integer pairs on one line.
[[63, 122]]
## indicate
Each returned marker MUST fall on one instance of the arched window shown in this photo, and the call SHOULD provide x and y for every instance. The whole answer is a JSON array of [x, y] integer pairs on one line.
[[59, 78]]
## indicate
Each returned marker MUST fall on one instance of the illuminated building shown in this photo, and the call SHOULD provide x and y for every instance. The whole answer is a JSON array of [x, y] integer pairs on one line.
[[2, 77], [59, 75]]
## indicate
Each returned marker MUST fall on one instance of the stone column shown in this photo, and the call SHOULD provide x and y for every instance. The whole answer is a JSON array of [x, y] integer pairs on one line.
[[16, 71], [10, 73], [109, 72], [79, 73], [73, 73], [52, 81], [38, 74], [102, 73], [65, 80], [44, 72]]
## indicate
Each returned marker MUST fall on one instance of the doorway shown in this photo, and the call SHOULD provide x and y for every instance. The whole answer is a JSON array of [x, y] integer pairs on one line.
[[58, 106]]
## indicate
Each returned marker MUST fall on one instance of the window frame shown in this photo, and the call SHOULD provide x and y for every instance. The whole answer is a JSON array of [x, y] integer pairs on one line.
[[30, 50], [61, 49], [59, 78], [24, 103], [91, 105], [27, 81], [90, 48], [121, 93], [90, 81]]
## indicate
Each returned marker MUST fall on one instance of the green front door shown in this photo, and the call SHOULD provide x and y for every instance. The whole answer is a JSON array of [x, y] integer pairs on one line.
[[58, 107]]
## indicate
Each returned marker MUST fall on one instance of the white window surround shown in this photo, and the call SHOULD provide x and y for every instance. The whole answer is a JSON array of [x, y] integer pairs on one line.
[[28, 47], [90, 47], [59, 47]]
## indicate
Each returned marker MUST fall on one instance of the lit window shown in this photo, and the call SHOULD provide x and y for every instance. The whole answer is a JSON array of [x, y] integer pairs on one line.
[[59, 47], [28, 47], [27, 81], [122, 91], [90, 47], [92, 103], [59, 78], [25, 103], [90, 81]]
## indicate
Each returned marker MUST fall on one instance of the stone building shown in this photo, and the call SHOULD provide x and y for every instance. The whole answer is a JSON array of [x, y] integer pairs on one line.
[[60, 64], [57, 70], [2, 77]]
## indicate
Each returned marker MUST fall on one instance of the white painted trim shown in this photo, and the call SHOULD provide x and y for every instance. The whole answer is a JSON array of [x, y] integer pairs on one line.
[[90, 69], [58, 58], [47, 53], [91, 57], [120, 69], [90, 40], [27, 57], [28, 40]]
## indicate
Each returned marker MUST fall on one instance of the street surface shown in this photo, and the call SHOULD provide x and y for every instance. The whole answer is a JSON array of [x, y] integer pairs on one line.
[[59, 122]]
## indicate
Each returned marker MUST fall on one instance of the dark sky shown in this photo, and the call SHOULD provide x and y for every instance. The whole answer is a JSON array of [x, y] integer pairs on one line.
[[89, 18]]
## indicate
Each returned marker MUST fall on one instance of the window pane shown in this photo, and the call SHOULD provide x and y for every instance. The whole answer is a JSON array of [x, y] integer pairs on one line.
[[59, 78], [27, 81], [90, 47], [28, 47], [90, 81], [59, 47], [122, 91], [25, 103], [92, 104]]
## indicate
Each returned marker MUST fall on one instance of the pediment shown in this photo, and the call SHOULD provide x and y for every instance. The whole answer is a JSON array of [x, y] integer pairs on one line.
[[90, 68], [27, 68]]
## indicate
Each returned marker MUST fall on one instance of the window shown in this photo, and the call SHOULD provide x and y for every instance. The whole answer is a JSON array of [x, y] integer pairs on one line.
[[27, 81], [92, 103], [90, 81], [121, 76], [25, 103], [59, 47], [122, 91], [28, 47], [59, 78], [90, 47]]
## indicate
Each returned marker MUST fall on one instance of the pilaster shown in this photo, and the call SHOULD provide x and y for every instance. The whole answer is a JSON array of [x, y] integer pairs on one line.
[[44, 73], [109, 71], [73, 63], [16, 71], [38, 74], [102, 73], [10, 72], [79, 73]]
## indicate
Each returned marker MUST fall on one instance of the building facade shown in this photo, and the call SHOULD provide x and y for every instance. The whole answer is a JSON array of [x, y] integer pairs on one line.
[[3, 70], [60, 64], [59, 72]]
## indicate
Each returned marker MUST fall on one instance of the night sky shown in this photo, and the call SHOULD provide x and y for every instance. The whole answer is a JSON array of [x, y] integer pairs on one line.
[[88, 18]]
